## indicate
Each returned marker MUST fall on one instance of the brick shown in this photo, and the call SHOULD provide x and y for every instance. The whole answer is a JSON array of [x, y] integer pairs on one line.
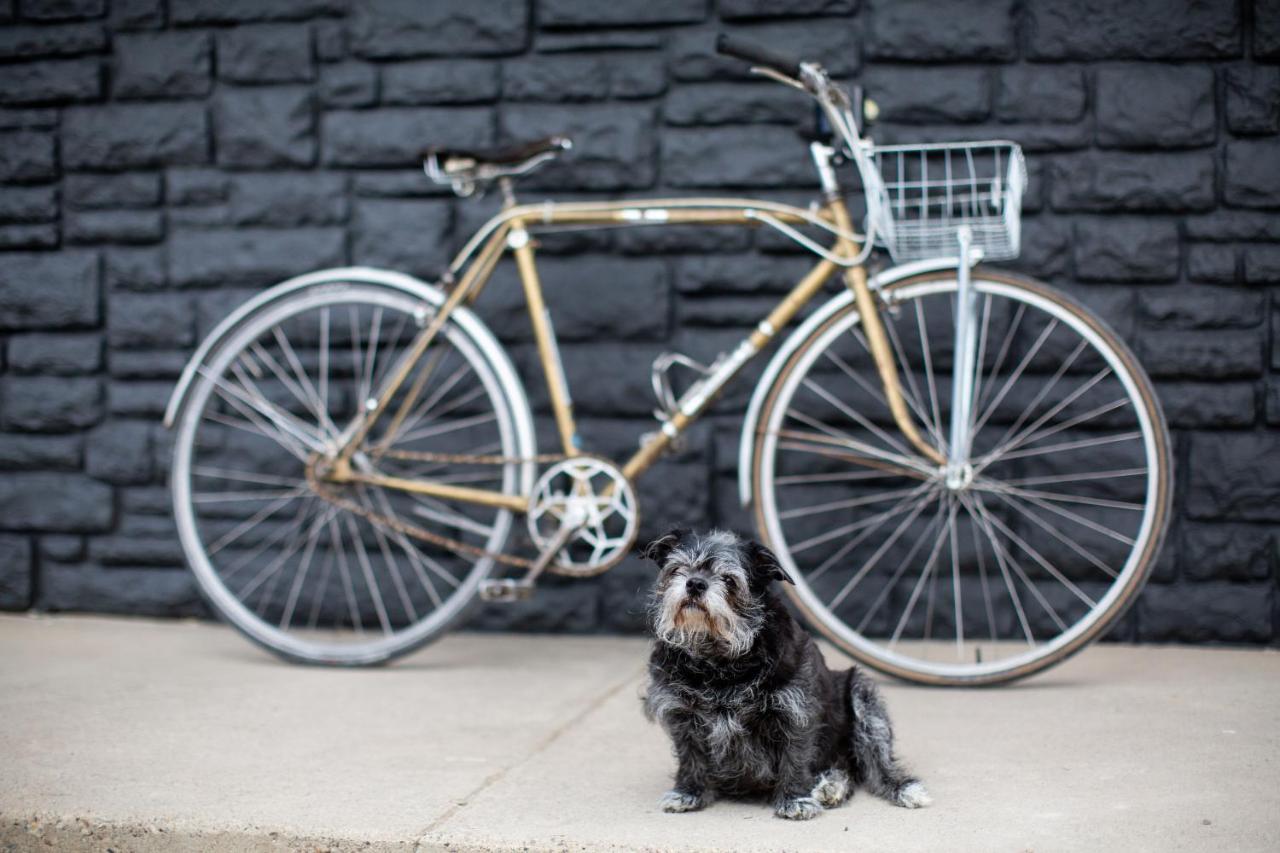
[[34, 204], [61, 10], [723, 103], [834, 44], [120, 452], [1141, 29], [614, 146], [1272, 404], [1238, 552], [250, 11], [16, 569], [135, 269], [1112, 181], [28, 237], [591, 298], [579, 13], [731, 10], [920, 95], [27, 158], [146, 364], [56, 354], [465, 81], [137, 14], [25, 42], [1202, 405], [62, 547], [139, 399], [397, 29], [931, 32], [113, 226], [1228, 226], [288, 199], [330, 41], [1202, 354], [670, 241], [741, 274], [735, 157], [1194, 307], [149, 321], [51, 82], [1266, 29], [162, 65], [1161, 106], [268, 53], [1211, 262], [120, 136], [1252, 176], [197, 186], [20, 452], [1253, 100], [133, 190], [35, 404], [1126, 249], [134, 550], [265, 127], [1040, 93], [1197, 613], [572, 41], [396, 137], [41, 291], [348, 84], [407, 235], [28, 119], [251, 255], [1262, 264], [142, 592], [582, 78]]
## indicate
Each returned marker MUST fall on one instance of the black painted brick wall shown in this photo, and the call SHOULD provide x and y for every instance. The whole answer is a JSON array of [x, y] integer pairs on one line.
[[163, 159]]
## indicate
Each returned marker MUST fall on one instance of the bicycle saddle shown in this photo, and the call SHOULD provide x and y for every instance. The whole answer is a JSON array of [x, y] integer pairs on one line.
[[465, 168]]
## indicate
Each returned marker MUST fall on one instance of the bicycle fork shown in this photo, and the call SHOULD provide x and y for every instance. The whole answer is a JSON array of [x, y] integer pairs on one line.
[[959, 472]]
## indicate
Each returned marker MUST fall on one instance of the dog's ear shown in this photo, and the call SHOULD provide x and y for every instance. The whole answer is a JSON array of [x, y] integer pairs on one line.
[[659, 549], [765, 566]]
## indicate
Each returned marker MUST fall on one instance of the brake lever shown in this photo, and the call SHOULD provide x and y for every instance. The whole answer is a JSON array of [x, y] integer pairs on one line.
[[779, 78]]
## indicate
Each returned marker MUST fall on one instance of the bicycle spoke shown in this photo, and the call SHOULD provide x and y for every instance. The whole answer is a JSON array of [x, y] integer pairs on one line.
[[1041, 561], [256, 519], [847, 528], [847, 503], [879, 519], [362, 557], [396, 580], [1071, 445], [928, 367], [1018, 371], [214, 472], [909, 393], [1000, 555], [926, 572], [901, 570], [1053, 531], [1044, 392], [857, 418], [874, 559], [344, 570], [848, 442], [1028, 437], [955, 584]]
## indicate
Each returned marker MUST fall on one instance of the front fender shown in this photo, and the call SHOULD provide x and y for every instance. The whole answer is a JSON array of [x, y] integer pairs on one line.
[[367, 275], [746, 444]]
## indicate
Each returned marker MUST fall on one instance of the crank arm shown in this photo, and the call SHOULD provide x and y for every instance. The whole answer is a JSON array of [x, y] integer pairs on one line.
[[520, 589]]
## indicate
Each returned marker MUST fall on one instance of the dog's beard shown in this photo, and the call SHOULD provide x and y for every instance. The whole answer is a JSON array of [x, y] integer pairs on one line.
[[709, 624]]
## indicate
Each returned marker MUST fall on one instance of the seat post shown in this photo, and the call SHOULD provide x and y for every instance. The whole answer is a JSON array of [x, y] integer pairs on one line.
[[508, 192]]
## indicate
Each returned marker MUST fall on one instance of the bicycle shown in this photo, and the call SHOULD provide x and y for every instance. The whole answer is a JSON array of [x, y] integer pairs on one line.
[[965, 471]]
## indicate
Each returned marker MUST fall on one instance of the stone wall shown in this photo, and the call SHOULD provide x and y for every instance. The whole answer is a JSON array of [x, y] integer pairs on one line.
[[163, 159]]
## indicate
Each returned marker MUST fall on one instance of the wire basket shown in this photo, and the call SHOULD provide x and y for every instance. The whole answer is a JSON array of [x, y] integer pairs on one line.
[[919, 196]]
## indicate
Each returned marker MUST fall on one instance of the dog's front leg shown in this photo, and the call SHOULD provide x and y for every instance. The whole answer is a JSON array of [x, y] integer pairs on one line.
[[691, 791], [793, 794]]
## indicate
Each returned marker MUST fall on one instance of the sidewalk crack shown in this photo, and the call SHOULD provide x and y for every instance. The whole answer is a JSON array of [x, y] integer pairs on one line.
[[541, 746]]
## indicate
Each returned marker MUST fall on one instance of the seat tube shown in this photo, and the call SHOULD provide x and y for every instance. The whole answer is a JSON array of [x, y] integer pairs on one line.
[[963, 367], [545, 336]]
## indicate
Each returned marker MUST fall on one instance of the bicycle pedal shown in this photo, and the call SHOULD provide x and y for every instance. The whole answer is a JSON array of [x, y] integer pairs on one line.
[[505, 589]]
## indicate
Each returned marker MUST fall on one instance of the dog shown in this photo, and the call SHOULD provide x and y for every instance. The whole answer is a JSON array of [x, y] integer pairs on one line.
[[745, 695]]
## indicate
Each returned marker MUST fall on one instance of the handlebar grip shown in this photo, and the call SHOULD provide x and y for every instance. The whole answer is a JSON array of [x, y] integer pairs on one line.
[[757, 55]]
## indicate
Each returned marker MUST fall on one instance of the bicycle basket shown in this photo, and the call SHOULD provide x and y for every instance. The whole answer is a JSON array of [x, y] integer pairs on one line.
[[928, 192]]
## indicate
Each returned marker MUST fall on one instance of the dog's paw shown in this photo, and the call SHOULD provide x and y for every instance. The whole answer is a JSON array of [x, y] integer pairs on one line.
[[832, 789], [800, 808], [912, 795], [674, 802]]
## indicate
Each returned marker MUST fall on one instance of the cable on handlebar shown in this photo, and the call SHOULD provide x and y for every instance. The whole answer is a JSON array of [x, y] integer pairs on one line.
[[758, 55]]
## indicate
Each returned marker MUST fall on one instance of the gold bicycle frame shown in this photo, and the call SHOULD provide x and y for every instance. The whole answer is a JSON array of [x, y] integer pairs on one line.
[[510, 230]]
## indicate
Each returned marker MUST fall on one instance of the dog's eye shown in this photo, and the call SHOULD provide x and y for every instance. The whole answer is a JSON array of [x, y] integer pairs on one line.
[[730, 583]]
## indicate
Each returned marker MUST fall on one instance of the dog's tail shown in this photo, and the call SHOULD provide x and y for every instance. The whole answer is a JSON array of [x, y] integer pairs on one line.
[[874, 762]]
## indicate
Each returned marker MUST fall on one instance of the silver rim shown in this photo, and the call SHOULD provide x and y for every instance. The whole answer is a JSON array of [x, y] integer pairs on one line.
[[1039, 548], [305, 578]]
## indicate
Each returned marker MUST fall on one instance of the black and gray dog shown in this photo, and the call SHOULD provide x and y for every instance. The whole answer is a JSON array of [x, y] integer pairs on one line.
[[744, 693]]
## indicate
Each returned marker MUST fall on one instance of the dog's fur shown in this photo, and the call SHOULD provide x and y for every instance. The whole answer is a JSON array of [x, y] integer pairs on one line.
[[744, 693]]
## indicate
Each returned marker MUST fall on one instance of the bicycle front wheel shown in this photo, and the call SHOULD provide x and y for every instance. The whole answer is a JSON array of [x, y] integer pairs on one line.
[[328, 574], [1038, 547]]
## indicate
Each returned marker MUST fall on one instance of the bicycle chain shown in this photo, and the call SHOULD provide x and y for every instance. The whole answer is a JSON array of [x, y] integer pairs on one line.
[[410, 529]]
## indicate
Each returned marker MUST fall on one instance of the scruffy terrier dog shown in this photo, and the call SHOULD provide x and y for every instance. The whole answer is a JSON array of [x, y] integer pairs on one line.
[[744, 693]]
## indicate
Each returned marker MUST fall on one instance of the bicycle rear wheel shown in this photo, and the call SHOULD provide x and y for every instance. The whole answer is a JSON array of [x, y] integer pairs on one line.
[[320, 580], [1033, 556]]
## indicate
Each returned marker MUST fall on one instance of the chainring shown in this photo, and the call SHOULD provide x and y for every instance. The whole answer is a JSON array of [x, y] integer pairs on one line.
[[595, 495]]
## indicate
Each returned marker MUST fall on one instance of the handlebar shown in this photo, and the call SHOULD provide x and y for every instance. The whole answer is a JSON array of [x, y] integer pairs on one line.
[[757, 55]]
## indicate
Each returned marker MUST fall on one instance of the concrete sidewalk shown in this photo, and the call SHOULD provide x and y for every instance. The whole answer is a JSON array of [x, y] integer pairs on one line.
[[135, 735]]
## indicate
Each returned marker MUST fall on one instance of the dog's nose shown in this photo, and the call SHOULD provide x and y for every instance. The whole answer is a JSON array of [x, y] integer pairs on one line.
[[695, 586]]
